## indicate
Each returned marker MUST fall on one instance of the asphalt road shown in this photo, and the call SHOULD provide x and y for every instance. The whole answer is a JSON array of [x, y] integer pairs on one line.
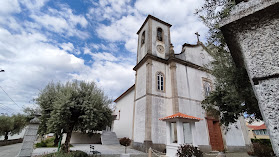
[[10, 150]]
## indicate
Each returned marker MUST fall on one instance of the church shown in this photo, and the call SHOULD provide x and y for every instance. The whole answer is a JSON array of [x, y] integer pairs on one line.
[[163, 108]]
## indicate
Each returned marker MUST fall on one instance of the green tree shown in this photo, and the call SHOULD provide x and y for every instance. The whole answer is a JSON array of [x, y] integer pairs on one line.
[[11, 125], [233, 94], [78, 106], [31, 112], [46, 100]]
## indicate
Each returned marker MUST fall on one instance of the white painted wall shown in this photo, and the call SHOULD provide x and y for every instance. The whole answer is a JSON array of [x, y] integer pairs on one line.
[[139, 132], [142, 49], [234, 137], [196, 54], [140, 104], [122, 126], [141, 81], [166, 39]]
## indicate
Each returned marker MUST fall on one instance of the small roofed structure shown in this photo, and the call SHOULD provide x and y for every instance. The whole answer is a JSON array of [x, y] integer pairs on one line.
[[180, 130]]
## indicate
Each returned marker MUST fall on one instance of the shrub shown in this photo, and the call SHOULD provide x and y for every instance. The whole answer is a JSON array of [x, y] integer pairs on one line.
[[187, 150], [49, 142], [41, 144], [125, 141], [263, 150], [262, 141]]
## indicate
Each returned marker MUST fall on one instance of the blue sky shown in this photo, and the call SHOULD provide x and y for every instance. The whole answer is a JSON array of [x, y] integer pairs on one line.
[[62, 40]]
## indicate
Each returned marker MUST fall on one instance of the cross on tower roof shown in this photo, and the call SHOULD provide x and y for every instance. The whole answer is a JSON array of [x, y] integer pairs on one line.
[[197, 33]]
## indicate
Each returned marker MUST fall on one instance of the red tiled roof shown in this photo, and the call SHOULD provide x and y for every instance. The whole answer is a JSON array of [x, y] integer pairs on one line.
[[180, 115], [255, 127], [252, 126]]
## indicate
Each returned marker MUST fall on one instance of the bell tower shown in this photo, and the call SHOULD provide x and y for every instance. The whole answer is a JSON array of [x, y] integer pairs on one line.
[[153, 38]]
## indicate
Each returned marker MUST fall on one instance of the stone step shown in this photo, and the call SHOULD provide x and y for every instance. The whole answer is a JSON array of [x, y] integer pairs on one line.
[[109, 138]]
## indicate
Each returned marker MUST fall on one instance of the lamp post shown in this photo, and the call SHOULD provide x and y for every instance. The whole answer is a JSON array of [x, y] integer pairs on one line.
[[2, 70]]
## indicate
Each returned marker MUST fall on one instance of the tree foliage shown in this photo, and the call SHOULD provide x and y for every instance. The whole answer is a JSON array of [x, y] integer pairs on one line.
[[233, 94], [74, 106], [11, 125]]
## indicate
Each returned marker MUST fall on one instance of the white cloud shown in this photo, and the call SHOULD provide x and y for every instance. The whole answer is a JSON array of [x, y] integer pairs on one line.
[[32, 57], [9, 6], [33, 5], [112, 47], [62, 21], [67, 46], [109, 9], [176, 12], [107, 76], [30, 62], [87, 50], [122, 30], [103, 56]]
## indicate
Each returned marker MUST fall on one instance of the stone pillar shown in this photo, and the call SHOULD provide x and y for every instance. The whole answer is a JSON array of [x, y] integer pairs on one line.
[[175, 102], [252, 34], [30, 137], [193, 130], [148, 107], [168, 132], [180, 133]]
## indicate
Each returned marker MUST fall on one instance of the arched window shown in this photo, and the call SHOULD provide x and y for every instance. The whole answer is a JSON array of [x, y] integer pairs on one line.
[[160, 81], [159, 34], [207, 87], [143, 38]]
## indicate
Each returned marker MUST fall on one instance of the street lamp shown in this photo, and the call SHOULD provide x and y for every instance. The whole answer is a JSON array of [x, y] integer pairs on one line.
[[2, 70]]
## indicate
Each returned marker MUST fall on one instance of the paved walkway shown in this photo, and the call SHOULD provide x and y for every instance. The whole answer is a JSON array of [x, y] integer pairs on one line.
[[10, 150], [236, 154], [104, 149]]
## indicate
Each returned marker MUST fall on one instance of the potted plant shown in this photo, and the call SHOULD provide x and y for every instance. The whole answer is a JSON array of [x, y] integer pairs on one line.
[[125, 142]]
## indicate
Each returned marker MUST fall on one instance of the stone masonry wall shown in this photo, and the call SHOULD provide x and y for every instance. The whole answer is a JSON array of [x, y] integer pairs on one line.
[[252, 33]]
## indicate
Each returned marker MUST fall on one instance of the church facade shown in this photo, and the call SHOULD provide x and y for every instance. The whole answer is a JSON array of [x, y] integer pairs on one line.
[[166, 84]]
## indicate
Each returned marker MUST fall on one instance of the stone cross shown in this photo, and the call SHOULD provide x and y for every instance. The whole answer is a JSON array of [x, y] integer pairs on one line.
[[30, 137], [198, 35], [251, 33]]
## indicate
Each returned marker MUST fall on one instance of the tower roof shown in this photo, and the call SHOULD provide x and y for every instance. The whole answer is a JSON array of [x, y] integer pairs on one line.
[[154, 18]]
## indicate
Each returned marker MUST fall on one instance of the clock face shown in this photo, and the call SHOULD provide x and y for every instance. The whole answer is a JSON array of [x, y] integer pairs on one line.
[[160, 48]]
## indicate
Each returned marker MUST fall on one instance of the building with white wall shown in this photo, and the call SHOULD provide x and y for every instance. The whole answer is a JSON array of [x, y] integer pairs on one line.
[[166, 84]]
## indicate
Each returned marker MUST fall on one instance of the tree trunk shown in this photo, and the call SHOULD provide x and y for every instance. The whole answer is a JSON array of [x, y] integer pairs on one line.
[[66, 146], [56, 140], [6, 136]]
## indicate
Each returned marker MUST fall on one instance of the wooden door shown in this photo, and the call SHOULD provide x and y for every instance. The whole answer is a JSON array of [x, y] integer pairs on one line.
[[215, 135]]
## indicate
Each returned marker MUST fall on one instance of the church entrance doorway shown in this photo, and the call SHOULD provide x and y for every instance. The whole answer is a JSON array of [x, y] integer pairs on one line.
[[215, 134]]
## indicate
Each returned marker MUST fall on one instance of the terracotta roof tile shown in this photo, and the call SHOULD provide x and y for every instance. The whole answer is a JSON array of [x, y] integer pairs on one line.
[[255, 127], [180, 115]]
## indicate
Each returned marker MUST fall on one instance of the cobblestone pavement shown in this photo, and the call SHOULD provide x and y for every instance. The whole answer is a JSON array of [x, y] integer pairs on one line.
[[104, 149], [10, 150]]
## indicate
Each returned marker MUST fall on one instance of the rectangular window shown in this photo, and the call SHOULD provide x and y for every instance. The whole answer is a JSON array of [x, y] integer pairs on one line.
[[160, 81]]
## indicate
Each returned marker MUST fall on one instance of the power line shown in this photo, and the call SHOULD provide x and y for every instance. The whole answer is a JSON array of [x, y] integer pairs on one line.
[[10, 97], [9, 111]]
